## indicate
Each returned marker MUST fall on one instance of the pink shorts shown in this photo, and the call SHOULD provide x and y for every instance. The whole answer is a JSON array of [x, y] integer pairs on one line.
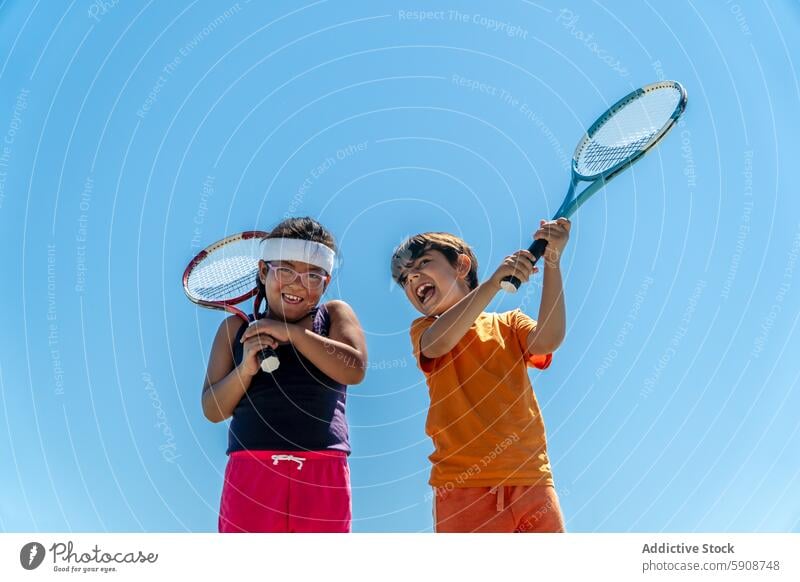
[[286, 491]]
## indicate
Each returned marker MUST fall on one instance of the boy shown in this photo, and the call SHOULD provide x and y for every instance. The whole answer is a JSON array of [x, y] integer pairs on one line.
[[490, 468]]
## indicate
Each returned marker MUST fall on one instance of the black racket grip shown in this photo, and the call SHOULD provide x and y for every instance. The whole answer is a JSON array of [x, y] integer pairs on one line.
[[510, 284], [269, 360]]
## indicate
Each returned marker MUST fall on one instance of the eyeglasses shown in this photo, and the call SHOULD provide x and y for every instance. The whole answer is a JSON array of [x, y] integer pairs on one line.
[[310, 280]]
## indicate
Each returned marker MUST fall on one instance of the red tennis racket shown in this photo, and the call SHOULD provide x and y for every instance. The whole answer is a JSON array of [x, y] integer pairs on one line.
[[224, 274]]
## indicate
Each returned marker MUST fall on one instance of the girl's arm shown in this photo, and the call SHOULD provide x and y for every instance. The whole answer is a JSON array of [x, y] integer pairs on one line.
[[343, 355], [224, 384]]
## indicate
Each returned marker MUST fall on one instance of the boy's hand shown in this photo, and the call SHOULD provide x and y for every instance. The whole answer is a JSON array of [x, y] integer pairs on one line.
[[519, 265], [556, 233]]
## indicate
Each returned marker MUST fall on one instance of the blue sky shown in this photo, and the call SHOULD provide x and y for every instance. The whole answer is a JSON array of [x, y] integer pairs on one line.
[[136, 133]]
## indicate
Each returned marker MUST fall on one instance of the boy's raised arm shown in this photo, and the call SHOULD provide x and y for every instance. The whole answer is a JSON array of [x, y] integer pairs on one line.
[[552, 321], [450, 327]]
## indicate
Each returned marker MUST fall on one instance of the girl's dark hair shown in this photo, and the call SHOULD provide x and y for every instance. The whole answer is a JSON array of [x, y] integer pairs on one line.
[[303, 228]]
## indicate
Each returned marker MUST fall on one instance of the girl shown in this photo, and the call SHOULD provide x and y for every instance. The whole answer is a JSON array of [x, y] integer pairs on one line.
[[288, 444]]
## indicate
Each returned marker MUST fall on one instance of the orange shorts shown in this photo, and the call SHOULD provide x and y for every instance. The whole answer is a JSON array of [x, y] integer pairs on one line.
[[510, 509]]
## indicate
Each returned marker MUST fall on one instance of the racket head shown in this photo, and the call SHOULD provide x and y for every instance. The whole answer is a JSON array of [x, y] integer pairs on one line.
[[224, 273], [627, 130]]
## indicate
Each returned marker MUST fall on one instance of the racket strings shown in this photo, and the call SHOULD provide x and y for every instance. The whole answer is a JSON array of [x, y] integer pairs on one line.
[[226, 274], [223, 279], [599, 157], [628, 130]]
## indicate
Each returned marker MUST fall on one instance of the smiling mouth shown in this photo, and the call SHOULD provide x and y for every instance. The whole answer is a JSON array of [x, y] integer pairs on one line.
[[291, 299], [425, 292]]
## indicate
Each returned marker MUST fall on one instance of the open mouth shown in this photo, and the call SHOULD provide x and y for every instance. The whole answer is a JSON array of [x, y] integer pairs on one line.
[[425, 292], [291, 299]]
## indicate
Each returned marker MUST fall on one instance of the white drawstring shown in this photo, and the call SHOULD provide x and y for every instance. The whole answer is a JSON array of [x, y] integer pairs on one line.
[[500, 492], [298, 460]]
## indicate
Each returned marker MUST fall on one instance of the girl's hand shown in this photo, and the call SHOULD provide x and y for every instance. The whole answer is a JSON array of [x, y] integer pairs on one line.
[[556, 233], [252, 347], [277, 330], [519, 265]]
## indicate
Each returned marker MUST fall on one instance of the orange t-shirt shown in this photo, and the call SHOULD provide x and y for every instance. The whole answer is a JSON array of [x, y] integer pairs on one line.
[[484, 420]]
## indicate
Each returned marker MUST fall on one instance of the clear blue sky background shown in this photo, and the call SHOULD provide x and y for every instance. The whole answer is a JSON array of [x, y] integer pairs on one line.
[[672, 404]]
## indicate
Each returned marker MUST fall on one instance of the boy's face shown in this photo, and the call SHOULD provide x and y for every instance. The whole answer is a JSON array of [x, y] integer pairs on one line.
[[432, 284], [293, 288]]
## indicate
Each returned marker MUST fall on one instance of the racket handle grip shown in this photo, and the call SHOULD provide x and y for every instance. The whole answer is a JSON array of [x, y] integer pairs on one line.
[[269, 360], [511, 284]]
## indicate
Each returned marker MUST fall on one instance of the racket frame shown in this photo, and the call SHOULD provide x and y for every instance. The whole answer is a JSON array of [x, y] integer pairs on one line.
[[269, 358], [227, 305], [571, 203]]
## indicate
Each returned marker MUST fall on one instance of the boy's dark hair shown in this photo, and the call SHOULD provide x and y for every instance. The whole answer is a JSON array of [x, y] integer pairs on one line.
[[303, 228], [448, 244]]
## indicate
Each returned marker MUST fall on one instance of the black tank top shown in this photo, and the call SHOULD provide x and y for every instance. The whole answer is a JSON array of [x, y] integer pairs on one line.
[[296, 408]]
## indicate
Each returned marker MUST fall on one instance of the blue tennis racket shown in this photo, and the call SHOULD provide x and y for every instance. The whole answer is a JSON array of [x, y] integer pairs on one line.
[[630, 128]]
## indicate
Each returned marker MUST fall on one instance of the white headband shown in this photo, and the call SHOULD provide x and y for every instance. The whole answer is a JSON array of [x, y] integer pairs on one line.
[[295, 249]]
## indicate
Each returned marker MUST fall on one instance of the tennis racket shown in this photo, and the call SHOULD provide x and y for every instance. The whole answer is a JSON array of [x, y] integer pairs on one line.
[[224, 274], [630, 128]]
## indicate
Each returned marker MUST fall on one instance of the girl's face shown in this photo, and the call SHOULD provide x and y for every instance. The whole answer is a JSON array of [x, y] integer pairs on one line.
[[293, 288]]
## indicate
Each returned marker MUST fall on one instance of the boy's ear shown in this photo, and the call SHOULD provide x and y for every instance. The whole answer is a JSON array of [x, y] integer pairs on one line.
[[463, 266]]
